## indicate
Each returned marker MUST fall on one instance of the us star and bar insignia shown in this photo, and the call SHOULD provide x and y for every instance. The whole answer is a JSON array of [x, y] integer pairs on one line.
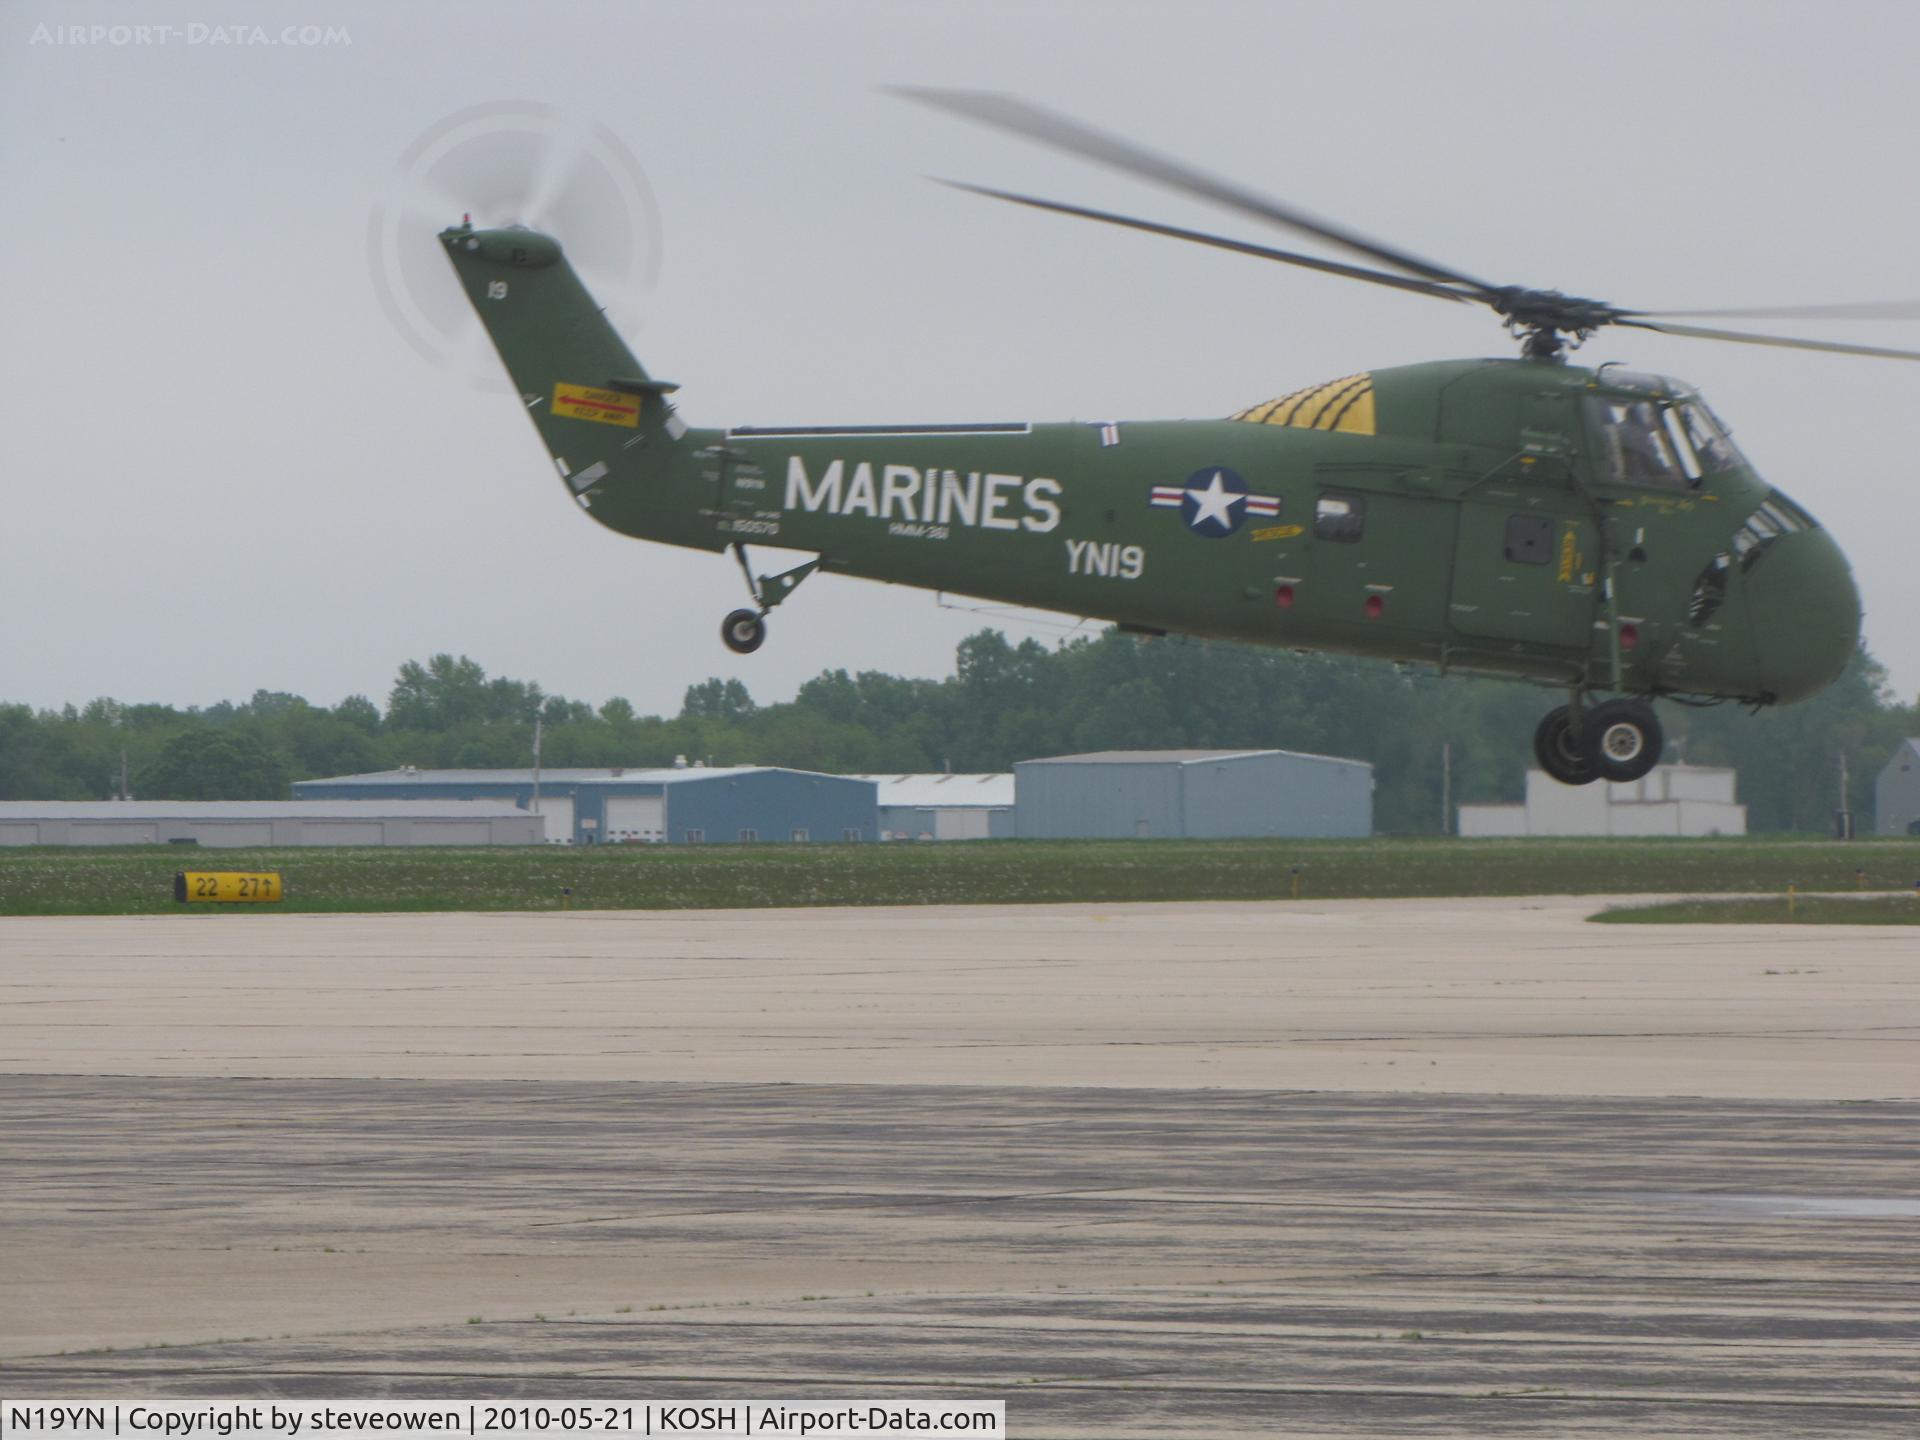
[[1214, 502]]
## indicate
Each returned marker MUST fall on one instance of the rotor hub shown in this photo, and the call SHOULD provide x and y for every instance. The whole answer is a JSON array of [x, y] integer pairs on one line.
[[1546, 320]]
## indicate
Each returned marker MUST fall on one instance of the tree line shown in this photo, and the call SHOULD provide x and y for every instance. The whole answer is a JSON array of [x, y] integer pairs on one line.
[[1004, 702]]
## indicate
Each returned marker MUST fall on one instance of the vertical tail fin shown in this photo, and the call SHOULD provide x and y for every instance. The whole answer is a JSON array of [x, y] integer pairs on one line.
[[567, 362]]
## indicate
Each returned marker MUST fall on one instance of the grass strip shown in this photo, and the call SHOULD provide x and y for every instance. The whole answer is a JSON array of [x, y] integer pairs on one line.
[[1897, 909], [133, 881]]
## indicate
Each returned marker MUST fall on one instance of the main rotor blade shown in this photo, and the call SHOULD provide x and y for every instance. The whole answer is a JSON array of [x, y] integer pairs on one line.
[[1220, 242], [1008, 112], [1854, 310], [1785, 341]]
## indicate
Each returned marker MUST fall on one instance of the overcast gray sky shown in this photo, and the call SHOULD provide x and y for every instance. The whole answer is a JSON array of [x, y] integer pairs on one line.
[[226, 470]]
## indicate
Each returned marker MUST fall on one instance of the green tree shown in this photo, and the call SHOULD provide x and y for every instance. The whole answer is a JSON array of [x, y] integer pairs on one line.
[[1789, 757], [359, 712], [449, 692], [717, 699], [214, 765], [321, 744], [1005, 702]]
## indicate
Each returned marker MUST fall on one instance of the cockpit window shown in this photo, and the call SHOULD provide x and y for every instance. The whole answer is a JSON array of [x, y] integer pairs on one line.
[[1709, 437], [1637, 447], [1663, 437], [1776, 517]]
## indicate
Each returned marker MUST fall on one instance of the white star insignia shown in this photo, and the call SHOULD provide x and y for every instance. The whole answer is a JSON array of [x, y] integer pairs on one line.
[[1214, 503]]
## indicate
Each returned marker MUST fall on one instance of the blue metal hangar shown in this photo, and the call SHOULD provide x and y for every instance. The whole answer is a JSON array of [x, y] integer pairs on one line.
[[1194, 795], [684, 805]]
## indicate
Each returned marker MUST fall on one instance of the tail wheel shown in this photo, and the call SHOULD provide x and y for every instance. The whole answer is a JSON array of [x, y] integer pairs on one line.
[[743, 631], [1559, 753], [1622, 739]]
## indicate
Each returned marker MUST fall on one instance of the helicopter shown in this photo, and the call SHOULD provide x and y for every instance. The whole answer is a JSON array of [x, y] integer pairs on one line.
[[1595, 531]]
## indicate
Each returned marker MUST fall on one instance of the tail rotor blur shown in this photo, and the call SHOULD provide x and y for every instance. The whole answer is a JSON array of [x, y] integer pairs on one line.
[[509, 163]]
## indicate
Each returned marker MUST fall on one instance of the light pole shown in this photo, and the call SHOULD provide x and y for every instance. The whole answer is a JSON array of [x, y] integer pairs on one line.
[[536, 768]]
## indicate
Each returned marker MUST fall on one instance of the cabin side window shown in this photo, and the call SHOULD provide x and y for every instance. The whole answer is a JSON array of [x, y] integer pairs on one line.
[[1529, 539], [1340, 516]]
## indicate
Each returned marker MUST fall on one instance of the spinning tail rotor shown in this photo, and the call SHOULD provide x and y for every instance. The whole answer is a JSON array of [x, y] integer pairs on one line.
[[506, 164]]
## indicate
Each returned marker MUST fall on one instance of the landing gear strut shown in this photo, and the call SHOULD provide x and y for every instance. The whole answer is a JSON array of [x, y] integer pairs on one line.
[[1615, 740], [745, 631]]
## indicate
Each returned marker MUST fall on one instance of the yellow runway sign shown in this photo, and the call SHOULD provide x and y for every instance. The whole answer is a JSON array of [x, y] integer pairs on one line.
[[226, 887]]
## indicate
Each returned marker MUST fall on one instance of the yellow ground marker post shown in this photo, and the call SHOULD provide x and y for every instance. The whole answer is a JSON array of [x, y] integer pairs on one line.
[[227, 887]]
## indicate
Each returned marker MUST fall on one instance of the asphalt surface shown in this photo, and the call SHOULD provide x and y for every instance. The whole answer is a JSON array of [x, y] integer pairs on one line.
[[203, 1192]]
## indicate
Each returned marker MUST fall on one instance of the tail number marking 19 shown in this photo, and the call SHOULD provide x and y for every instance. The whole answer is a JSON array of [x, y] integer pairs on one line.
[[1109, 559]]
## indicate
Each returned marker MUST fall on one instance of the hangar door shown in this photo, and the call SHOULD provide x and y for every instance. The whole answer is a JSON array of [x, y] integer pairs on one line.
[[557, 811], [89, 833], [343, 832], [636, 817], [967, 824], [452, 832], [232, 834]]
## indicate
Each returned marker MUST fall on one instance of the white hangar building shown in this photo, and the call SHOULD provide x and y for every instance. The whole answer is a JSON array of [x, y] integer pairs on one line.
[[226, 824], [944, 807], [1670, 800], [1193, 794]]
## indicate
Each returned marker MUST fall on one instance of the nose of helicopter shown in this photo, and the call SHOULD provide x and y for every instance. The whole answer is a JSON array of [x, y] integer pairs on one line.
[[1807, 614]]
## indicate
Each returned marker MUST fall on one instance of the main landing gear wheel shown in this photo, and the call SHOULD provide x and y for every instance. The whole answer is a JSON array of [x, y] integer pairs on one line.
[[1559, 753], [1622, 739], [744, 631]]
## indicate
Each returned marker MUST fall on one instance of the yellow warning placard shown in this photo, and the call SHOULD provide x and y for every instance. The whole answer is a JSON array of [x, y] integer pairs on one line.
[[226, 887], [1569, 555], [609, 407]]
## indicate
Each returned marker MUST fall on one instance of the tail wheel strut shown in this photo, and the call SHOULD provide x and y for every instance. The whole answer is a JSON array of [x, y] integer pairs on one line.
[[745, 631]]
